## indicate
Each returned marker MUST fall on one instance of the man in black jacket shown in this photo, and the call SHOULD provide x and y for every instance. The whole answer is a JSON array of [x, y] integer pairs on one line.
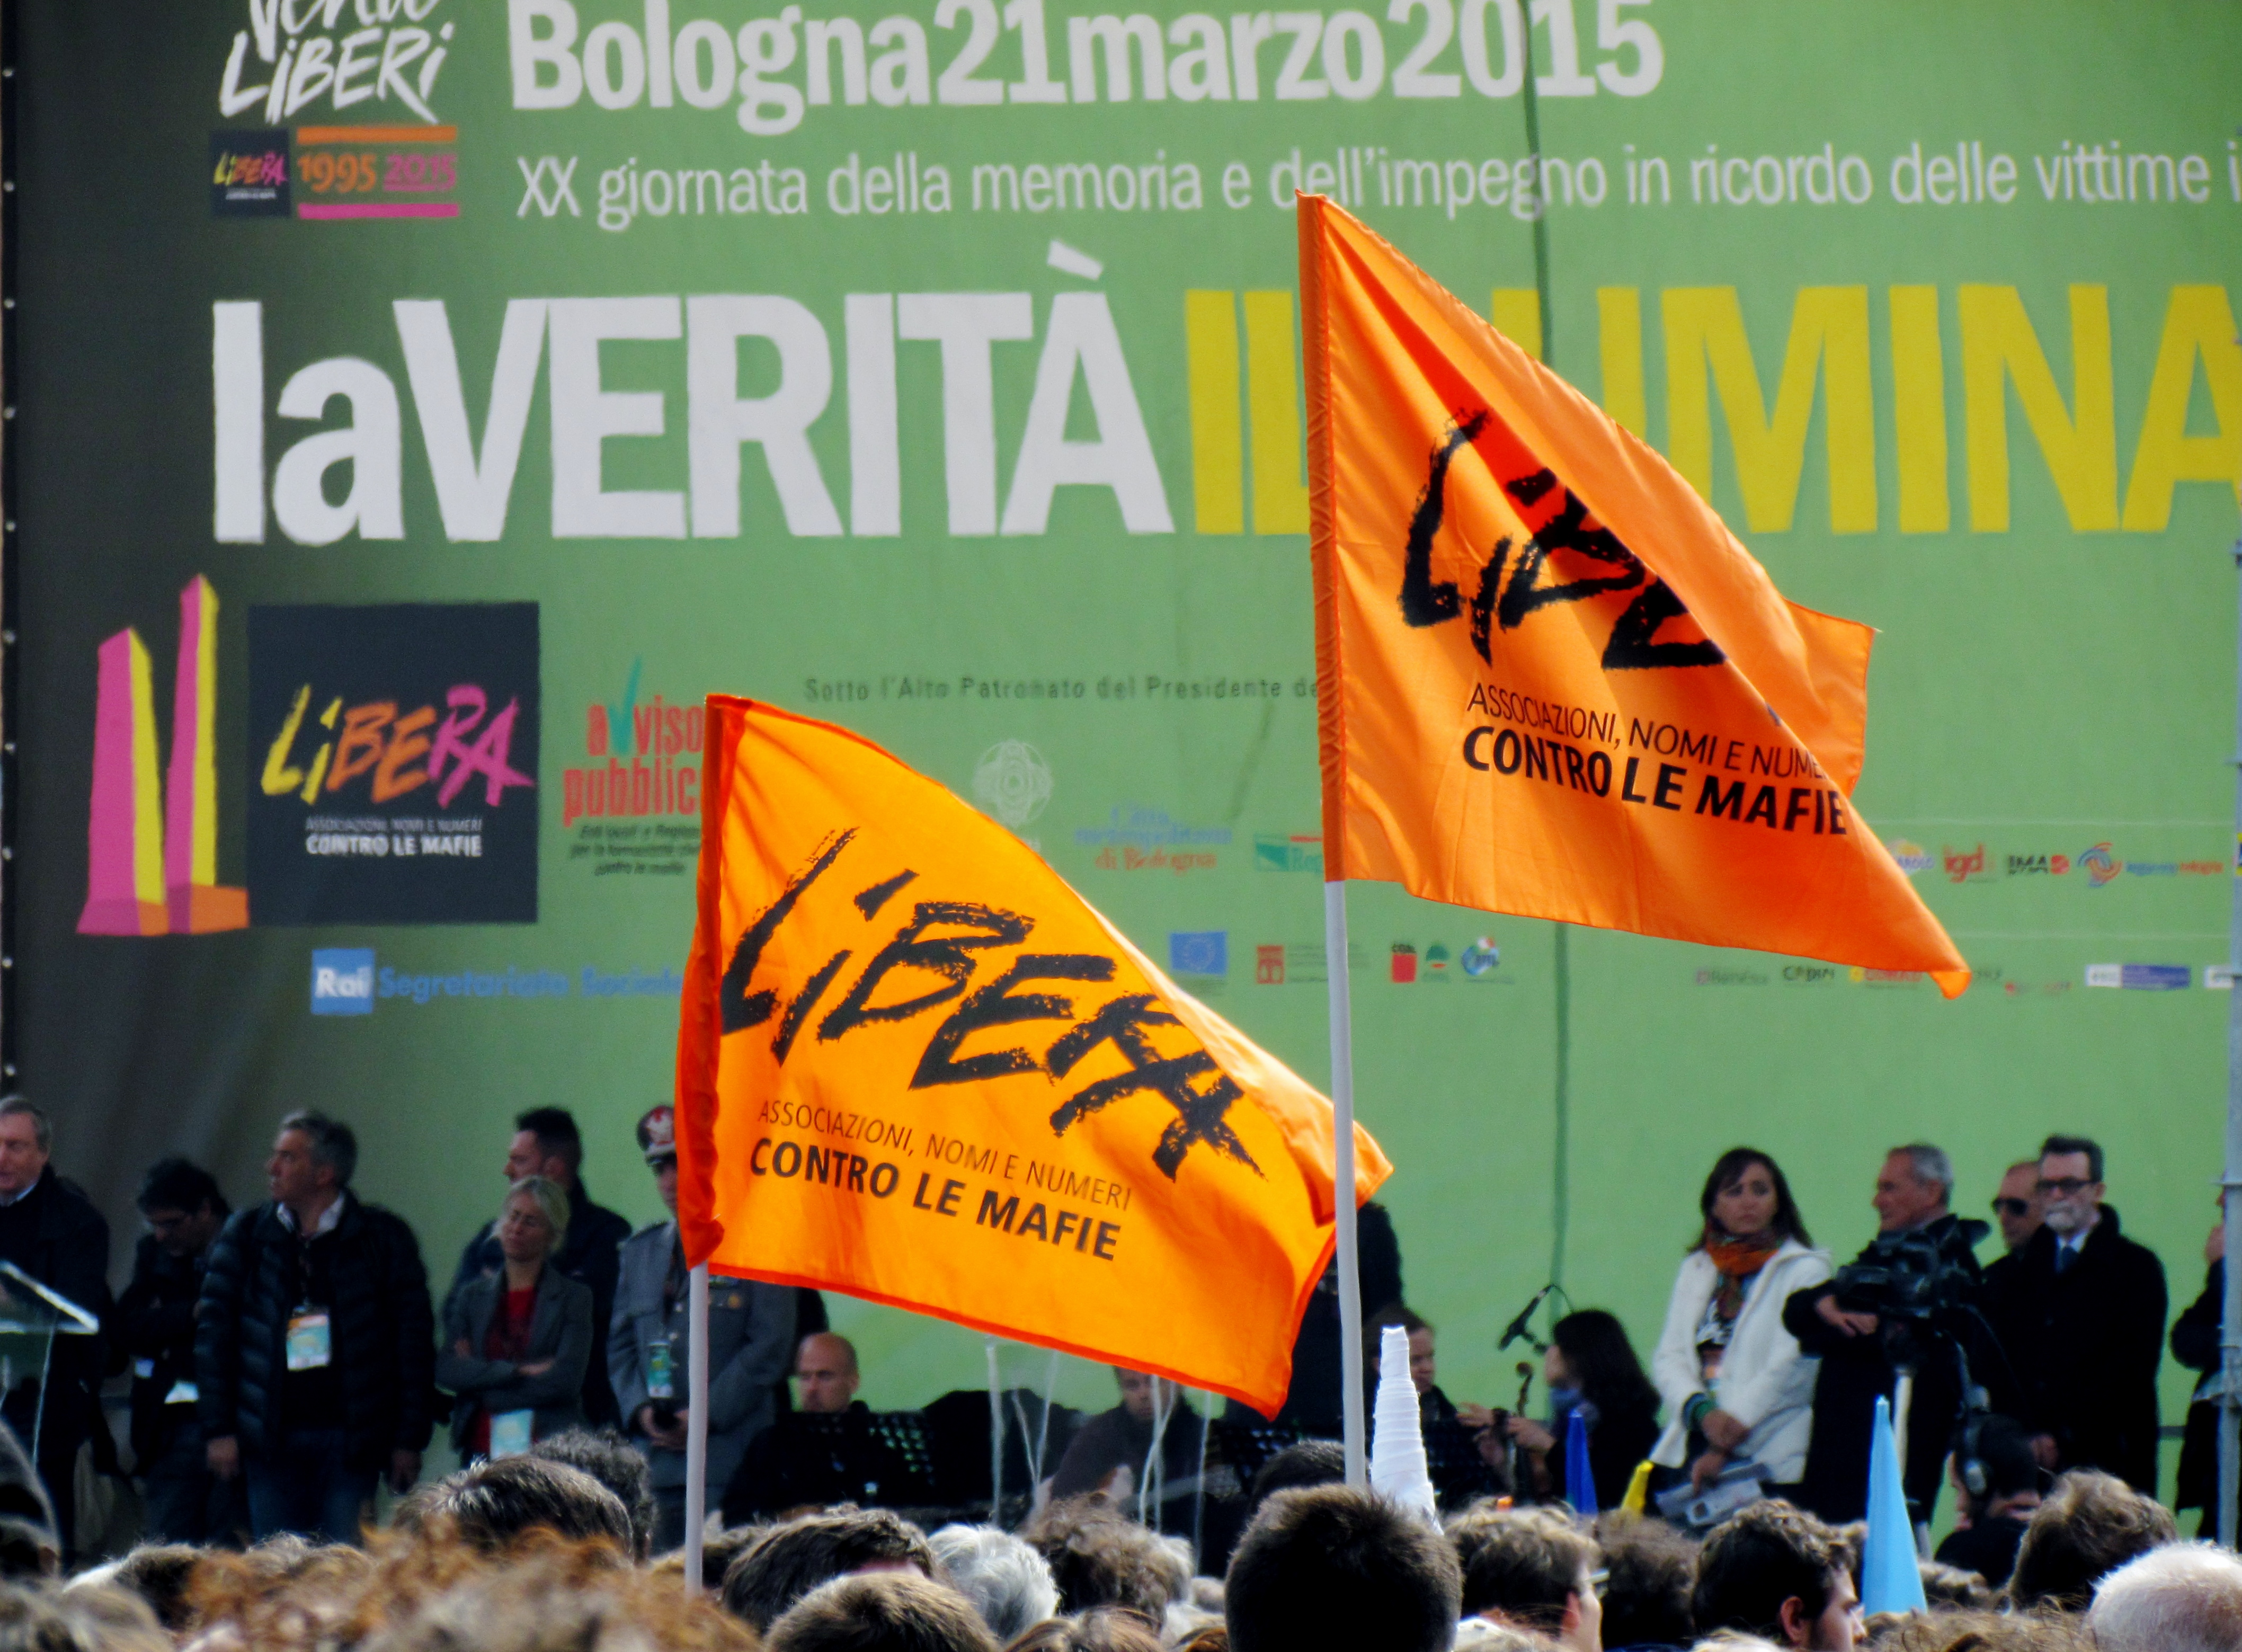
[[155, 1325], [2195, 1344], [2081, 1310], [315, 1343], [50, 1230], [1863, 1353], [546, 1142]]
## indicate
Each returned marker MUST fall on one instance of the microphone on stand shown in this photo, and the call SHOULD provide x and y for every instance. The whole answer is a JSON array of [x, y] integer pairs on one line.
[[1522, 1326]]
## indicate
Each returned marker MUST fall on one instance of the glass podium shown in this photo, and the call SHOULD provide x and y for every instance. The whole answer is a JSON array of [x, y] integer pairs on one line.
[[31, 1317]]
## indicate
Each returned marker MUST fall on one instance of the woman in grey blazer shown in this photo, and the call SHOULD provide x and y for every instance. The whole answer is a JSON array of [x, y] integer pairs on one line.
[[516, 1340]]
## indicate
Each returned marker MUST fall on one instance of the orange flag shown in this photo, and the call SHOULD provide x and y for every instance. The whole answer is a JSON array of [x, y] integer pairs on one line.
[[1551, 681], [915, 1066]]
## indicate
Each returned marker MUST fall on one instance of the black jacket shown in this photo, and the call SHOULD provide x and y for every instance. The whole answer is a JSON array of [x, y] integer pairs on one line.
[[2086, 1345], [382, 1331], [56, 1235], [1857, 1370], [2195, 1344], [590, 1256], [155, 1325]]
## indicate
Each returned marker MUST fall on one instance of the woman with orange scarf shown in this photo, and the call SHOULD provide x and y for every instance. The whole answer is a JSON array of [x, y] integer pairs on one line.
[[1737, 1389]]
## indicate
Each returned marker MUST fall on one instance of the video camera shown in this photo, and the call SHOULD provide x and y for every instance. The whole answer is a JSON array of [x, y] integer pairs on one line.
[[1912, 1277]]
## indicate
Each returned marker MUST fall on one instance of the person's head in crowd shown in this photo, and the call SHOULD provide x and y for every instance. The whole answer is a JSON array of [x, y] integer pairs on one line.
[[42, 1618], [787, 1561], [2183, 1597], [2088, 1526], [1531, 1567], [286, 1593], [181, 1203], [657, 1145], [1775, 1571], [1103, 1629], [496, 1500], [546, 1142], [1486, 1635], [1144, 1396], [2017, 1206], [1008, 1582], [1303, 1463], [2070, 1184], [157, 1574], [1914, 1188], [544, 1596], [1208, 1637], [1949, 1586], [2006, 1475], [313, 1157], [28, 1548], [615, 1463], [1424, 1367], [27, 1141], [890, 1612], [1746, 1198], [1979, 1631], [825, 1374], [533, 1225], [1648, 1568], [1335, 1569], [23, 1495], [1099, 1556], [1590, 1356]]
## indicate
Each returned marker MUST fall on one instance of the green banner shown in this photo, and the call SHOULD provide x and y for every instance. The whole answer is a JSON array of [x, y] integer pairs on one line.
[[424, 405]]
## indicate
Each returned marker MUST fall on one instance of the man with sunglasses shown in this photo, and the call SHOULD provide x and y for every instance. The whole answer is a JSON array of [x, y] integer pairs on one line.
[[2017, 1206], [2080, 1309]]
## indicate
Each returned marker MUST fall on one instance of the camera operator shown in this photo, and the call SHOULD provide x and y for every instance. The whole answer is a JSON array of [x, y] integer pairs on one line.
[[1909, 1300]]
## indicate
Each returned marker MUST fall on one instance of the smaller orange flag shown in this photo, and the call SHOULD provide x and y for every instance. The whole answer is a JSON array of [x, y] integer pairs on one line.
[[1550, 680], [915, 1066]]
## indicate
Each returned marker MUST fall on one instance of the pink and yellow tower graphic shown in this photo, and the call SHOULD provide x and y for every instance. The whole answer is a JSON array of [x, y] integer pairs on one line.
[[151, 864]]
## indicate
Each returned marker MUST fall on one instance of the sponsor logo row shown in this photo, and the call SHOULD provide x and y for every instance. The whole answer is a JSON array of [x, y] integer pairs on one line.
[[2097, 865], [349, 980]]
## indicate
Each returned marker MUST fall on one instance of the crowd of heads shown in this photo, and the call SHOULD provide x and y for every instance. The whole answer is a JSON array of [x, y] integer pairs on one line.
[[549, 1552]]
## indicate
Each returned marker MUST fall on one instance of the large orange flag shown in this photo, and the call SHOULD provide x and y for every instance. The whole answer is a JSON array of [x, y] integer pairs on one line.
[[1551, 680], [915, 1066]]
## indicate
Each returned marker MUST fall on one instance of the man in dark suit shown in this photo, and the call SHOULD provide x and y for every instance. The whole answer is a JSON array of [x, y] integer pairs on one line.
[[2080, 1309], [50, 1230], [546, 1142]]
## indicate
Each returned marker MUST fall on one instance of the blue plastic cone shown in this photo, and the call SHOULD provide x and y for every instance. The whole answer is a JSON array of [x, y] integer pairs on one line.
[[1579, 1480], [1890, 1578]]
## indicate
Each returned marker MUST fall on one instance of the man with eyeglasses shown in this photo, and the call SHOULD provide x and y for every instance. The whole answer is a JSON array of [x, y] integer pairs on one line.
[[2080, 1309], [2017, 1206]]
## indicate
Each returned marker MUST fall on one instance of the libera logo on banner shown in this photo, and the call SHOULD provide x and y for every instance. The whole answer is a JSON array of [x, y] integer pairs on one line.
[[342, 980]]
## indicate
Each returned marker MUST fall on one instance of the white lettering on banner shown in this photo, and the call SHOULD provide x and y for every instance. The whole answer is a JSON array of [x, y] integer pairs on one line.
[[787, 64], [292, 55], [473, 480]]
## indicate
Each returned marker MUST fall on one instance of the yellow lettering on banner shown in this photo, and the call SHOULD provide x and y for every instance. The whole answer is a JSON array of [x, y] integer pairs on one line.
[[1516, 313], [1273, 391], [1919, 410], [2080, 445], [2197, 322], [1218, 450], [1828, 326], [1618, 337]]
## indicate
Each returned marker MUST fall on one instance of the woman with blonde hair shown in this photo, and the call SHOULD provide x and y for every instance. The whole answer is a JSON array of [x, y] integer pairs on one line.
[[516, 1340]]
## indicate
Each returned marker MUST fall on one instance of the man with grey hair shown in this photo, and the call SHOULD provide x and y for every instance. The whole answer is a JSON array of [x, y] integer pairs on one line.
[[1849, 1323], [50, 1230], [1008, 1582], [2183, 1597], [315, 1343]]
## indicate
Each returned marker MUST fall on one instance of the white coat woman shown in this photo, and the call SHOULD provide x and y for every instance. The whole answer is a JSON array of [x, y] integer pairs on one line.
[[1735, 1386]]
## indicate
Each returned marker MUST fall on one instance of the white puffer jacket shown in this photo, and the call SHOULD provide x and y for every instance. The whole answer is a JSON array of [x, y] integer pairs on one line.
[[1765, 1383]]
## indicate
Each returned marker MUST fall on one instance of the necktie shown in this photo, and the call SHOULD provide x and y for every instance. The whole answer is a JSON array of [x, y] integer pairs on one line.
[[2064, 1256]]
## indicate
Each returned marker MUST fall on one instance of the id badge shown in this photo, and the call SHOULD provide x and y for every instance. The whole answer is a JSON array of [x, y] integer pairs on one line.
[[143, 1369], [658, 1374], [183, 1394], [510, 1432], [310, 1341]]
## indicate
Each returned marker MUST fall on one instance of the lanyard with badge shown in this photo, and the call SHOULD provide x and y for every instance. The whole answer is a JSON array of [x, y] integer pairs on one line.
[[311, 1343]]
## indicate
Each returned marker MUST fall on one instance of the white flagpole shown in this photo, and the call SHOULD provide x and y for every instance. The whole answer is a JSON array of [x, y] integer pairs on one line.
[[1350, 1272], [696, 1423]]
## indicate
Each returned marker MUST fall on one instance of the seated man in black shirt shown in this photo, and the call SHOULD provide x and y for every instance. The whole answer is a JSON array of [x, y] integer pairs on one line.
[[1994, 1513], [828, 1450]]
